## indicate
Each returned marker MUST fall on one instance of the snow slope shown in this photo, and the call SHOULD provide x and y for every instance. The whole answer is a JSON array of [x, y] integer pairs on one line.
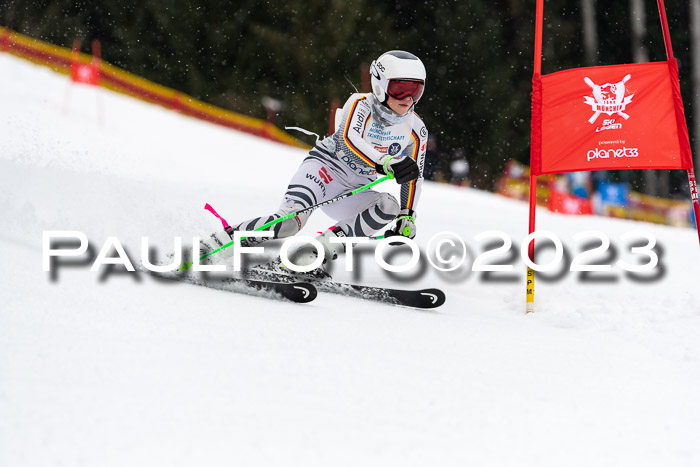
[[111, 368]]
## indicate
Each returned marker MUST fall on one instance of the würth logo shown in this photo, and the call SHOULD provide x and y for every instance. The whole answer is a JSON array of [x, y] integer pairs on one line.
[[608, 98], [325, 176]]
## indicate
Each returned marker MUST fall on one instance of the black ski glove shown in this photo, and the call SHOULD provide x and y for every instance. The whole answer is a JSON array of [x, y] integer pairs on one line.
[[404, 169]]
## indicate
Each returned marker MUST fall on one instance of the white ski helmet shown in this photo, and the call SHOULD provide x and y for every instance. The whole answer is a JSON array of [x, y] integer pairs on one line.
[[398, 74]]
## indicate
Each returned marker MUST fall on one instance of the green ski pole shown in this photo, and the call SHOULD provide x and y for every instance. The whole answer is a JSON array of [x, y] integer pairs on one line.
[[186, 266]]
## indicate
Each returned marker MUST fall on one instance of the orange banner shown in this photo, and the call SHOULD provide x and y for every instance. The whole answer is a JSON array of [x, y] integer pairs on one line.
[[62, 60], [610, 118]]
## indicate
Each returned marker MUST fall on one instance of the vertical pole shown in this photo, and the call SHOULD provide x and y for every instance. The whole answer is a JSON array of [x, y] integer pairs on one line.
[[74, 60], [691, 172], [538, 37], [664, 28], [530, 286], [96, 68], [695, 60], [694, 199]]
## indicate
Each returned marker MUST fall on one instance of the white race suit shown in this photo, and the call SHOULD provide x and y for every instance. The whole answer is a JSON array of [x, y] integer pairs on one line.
[[366, 133]]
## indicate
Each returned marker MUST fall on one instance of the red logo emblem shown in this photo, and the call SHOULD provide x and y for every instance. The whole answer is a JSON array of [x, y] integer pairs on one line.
[[325, 176]]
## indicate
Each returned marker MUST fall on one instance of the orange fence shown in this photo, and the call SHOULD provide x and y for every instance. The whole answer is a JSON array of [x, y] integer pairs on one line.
[[111, 77]]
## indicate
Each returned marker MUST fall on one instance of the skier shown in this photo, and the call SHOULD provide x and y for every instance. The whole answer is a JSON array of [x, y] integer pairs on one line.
[[376, 133]]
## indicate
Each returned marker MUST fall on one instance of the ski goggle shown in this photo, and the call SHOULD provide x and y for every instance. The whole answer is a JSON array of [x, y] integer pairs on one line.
[[403, 88]]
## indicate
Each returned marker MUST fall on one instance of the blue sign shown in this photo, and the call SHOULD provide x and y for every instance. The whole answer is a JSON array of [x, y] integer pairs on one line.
[[614, 193]]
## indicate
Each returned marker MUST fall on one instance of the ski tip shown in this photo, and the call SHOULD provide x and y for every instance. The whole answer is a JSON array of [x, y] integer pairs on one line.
[[301, 292], [432, 298]]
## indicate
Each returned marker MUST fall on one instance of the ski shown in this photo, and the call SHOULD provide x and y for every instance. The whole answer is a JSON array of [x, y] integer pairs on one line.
[[424, 298], [298, 292]]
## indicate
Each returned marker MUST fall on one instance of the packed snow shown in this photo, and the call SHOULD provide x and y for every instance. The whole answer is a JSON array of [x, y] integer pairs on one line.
[[114, 368]]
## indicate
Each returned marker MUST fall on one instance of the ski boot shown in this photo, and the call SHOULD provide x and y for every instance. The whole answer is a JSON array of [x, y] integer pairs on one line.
[[305, 256], [216, 241]]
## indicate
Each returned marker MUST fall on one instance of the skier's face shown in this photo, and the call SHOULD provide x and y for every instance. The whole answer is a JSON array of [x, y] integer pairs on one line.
[[399, 106]]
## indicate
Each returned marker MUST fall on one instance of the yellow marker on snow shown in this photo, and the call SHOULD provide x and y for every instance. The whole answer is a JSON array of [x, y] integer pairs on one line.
[[530, 300]]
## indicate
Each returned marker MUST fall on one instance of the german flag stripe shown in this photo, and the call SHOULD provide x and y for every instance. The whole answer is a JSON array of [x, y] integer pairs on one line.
[[352, 147], [416, 145], [412, 184]]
